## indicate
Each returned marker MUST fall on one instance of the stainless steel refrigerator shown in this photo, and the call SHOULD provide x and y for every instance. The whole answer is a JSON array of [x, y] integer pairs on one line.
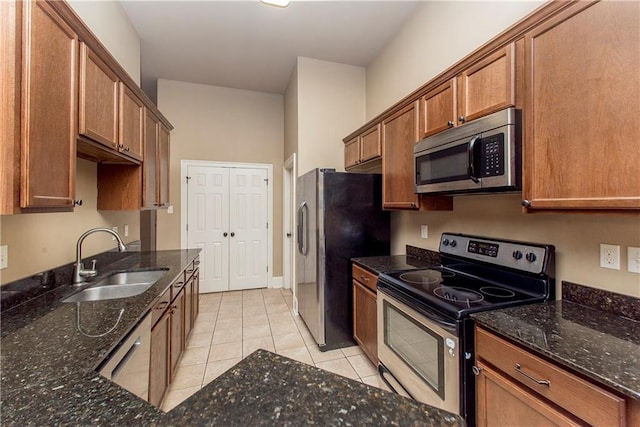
[[339, 217]]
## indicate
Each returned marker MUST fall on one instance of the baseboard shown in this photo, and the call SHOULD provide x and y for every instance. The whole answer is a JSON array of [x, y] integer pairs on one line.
[[277, 282]]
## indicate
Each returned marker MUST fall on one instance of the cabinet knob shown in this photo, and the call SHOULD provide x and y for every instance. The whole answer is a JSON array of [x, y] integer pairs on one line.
[[233, 234], [526, 203], [121, 146], [476, 370], [461, 119], [77, 202], [225, 234], [127, 149], [450, 123]]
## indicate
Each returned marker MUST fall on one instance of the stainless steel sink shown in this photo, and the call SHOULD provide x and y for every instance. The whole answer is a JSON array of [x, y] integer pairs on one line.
[[119, 285]]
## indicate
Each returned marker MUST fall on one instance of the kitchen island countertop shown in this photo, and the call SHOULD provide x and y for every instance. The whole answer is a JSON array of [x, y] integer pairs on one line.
[[48, 374]]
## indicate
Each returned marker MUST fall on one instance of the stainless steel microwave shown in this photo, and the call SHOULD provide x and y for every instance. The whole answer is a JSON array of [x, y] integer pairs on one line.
[[482, 155]]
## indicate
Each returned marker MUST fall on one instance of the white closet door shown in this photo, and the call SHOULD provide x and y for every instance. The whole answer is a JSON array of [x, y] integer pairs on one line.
[[248, 218], [208, 220]]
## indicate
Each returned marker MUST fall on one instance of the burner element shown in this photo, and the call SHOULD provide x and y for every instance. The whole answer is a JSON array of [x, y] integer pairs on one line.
[[456, 294], [426, 277], [497, 292]]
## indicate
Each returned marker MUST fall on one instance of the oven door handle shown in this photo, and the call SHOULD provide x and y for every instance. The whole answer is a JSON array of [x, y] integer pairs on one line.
[[433, 316], [471, 170]]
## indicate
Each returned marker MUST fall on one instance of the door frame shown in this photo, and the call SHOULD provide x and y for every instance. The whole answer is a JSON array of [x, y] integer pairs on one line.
[[184, 165], [289, 175]]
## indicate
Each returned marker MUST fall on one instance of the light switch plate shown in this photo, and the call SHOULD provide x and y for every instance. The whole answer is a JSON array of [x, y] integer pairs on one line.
[[170, 209], [126, 230], [424, 231], [4, 257]]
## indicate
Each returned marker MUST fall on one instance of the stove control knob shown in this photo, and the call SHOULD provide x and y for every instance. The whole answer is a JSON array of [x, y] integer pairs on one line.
[[517, 254], [454, 243], [445, 242], [531, 257]]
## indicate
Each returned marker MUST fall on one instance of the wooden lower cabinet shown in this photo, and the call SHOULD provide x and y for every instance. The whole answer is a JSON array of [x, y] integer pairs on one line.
[[177, 330], [365, 319], [514, 385], [170, 332], [365, 330], [159, 363]]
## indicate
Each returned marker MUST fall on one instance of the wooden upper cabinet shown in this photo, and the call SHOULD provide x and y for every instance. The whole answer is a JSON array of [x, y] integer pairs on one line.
[[581, 123], [49, 109], [363, 148], [399, 135], [163, 166], [131, 129], [370, 144], [438, 109], [352, 152], [488, 86], [150, 166], [98, 100]]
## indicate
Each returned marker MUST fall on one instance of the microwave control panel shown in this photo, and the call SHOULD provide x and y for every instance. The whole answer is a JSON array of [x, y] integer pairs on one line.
[[492, 155]]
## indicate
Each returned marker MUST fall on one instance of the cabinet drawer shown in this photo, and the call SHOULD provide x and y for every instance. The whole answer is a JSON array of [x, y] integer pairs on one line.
[[365, 277], [581, 398], [160, 306]]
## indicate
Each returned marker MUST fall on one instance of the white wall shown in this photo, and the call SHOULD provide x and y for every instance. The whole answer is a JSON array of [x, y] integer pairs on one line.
[[39, 242], [439, 34], [330, 105], [221, 124]]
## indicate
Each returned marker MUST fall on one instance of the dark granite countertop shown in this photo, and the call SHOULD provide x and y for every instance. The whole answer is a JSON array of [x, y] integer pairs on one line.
[[48, 372], [389, 263], [601, 346]]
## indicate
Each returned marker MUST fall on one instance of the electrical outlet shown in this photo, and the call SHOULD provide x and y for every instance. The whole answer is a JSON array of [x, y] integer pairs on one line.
[[424, 231], [633, 259], [126, 230], [4, 257], [610, 256], [114, 228], [170, 209]]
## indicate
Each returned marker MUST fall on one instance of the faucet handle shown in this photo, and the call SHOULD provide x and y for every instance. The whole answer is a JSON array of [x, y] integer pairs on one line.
[[93, 264]]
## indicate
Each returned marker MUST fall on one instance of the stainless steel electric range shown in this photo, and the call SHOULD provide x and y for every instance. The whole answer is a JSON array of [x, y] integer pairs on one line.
[[425, 334]]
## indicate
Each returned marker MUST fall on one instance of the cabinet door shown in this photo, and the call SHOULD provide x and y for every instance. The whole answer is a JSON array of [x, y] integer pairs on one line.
[[581, 109], [195, 309], [370, 146], [159, 363], [150, 164], [163, 166], [488, 86], [502, 403], [438, 109], [98, 109], [399, 134], [365, 330], [49, 94], [352, 153], [188, 308], [131, 123], [177, 330]]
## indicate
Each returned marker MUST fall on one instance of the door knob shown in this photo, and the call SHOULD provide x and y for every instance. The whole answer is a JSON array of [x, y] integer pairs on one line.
[[224, 234], [233, 234], [288, 234]]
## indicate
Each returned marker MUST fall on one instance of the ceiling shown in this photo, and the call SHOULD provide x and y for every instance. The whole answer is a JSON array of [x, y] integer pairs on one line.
[[248, 45]]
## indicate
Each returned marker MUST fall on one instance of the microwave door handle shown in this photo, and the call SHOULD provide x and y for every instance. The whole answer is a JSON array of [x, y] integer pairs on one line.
[[471, 170]]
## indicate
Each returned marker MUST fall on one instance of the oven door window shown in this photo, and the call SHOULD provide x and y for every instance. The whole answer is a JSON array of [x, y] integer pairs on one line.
[[449, 164], [418, 346]]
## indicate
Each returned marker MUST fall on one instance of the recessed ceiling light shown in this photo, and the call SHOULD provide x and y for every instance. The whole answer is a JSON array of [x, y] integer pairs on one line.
[[279, 3]]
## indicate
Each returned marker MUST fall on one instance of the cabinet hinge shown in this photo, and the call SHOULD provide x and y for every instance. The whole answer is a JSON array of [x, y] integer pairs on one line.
[[187, 227], [267, 268], [267, 226], [266, 180]]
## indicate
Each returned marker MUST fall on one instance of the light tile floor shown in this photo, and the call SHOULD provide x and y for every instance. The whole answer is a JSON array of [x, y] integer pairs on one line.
[[231, 325]]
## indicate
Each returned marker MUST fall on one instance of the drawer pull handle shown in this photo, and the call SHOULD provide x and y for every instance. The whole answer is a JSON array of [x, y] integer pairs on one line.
[[539, 382], [162, 305], [364, 279]]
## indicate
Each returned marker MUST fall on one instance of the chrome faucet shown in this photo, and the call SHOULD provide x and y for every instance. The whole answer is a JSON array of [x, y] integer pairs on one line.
[[79, 272]]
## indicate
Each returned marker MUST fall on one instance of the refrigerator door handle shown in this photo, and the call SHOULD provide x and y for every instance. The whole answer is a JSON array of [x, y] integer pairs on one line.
[[302, 229]]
